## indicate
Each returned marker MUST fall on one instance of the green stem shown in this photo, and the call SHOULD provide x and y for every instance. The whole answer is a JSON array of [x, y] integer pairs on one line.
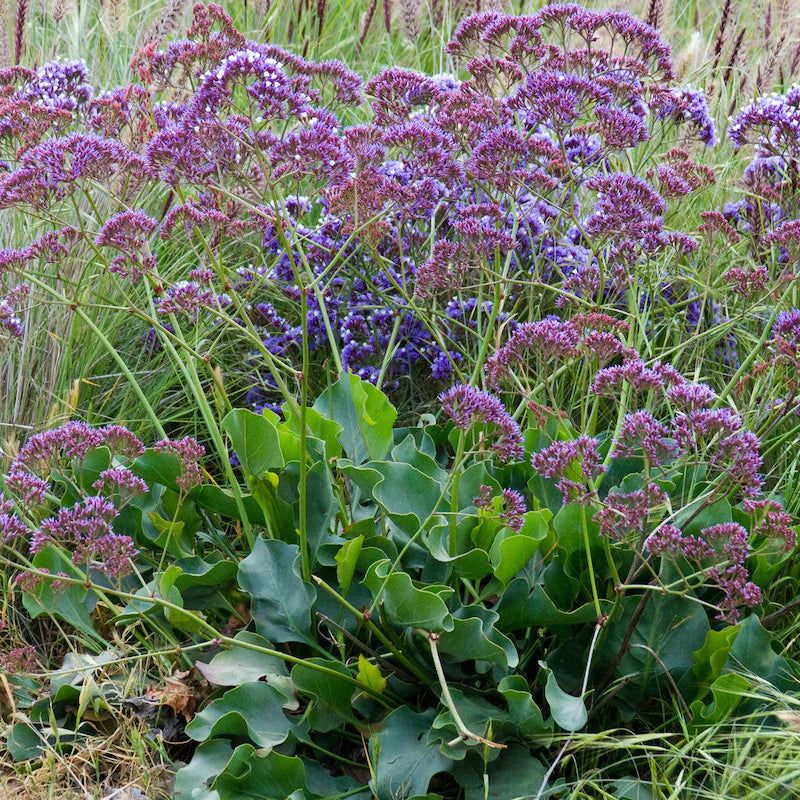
[[454, 504], [585, 529], [413, 668]]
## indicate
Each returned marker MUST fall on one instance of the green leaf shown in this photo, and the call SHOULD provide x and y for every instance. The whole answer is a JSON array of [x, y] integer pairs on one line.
[[522, 709], [24, 743], [408, 495], [728, 692], [251, 775], [568, 712], [169, 591], [282, 601], [511, 552], [711, 657], [369, 675], [158, 467], [405, 603], [346, 561], [254, 710], [521, 608], [332, 704], [474, 638], [255, 439], [752, 651], [324, 429], [403, 759], [221, 501], [515, 775], [568, 524], [237, 665], [666, 635], [192, 781], [471, 562], [364, 413], [194, 571], [69, 602]]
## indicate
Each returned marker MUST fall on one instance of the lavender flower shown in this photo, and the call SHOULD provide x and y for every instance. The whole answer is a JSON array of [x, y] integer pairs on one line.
[[86, 530], [574, 458], [128, 232], [188, 452], [121, 481], [467, 406], [627, 513], [513, 509], [640, 432], [19, 660], [185, 297]]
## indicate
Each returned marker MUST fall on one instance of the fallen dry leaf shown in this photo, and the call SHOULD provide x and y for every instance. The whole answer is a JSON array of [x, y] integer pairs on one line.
[[182, 692]]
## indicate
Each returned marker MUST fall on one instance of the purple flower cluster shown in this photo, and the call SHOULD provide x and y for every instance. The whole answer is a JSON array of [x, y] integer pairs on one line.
[[512, 506], [188, 452], [85, 529], [727, 546], [445, 183], [468, 406], [575, 463]]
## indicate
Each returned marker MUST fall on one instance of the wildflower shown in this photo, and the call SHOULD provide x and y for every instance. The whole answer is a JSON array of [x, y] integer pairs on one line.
[[639, 433], [188, 452], [466, 406], [578, 457], [19, 660], [119, 480], [186, 297], [626, 513], [128, 232], [85, 529], [512, 513]]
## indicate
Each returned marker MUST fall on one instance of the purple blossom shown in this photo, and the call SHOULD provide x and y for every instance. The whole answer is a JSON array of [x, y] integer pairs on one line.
[[627, 207], [128, 232], [119, 480], [772, 522], [574, 458], [59, 85], [687, 105], [688, 396], [185, 297], [11, 526], [188, 452], [640, 432], [513, 508], [86, 530], [547, 338], [467, 406], [626, 513], [48, 171], [19, 660]]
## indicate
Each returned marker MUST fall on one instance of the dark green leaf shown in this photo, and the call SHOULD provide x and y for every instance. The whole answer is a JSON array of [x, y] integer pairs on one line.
[[407, 604], [254, 710], [69, 602], [281, 599], [332, 697], [365, 415], [24, 743], [193, 781], [403, 759], [255, 440], [250, 775]]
